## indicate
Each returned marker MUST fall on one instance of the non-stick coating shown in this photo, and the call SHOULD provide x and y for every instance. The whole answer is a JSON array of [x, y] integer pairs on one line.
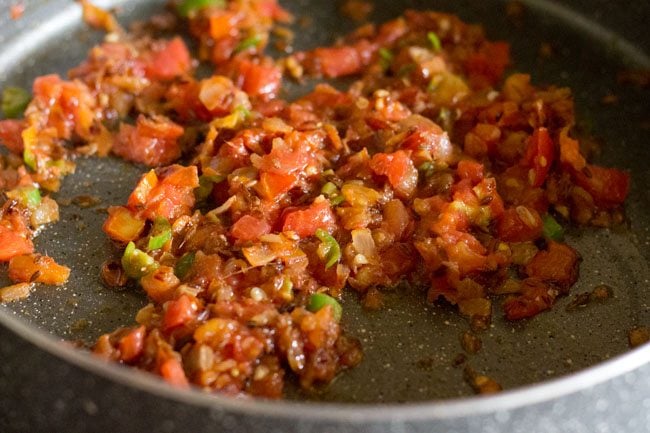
[[409, 345]]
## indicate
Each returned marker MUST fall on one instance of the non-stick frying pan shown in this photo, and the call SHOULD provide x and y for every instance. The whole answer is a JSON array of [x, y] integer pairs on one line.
[[562, 370]]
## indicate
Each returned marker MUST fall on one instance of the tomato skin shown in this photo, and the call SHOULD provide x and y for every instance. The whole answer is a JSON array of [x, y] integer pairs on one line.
[[608, 186], [399, 169], [12, 244], [307, 220], [10, 134], [520, 224], [179, 312], [249, 228], [168, 61], [540, 155]]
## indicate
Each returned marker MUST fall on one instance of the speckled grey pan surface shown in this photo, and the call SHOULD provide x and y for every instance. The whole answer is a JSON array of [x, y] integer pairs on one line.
[[564, 371]]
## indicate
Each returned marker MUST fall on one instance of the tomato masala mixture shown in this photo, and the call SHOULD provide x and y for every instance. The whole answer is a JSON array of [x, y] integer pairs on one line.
[[433, 168]]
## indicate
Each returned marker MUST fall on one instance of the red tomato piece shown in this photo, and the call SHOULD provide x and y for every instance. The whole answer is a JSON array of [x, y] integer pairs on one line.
[[179, 312], [337, 61], [153, 141], [398, 168], [169, 195], [272, 185], [132, 344], [558, 265], [258, 79], [10, 134], [172, 371], [472, 170], [539, 156], [168, 60], [535, 298], [487, 65], [608, 186], [520, 224], [307, 220], [249, 228], [13, 243]]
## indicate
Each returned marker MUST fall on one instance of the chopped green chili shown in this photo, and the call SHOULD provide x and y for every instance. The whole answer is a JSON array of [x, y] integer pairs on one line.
[[136, 263], [183, 265], [329, 250], [434, 40], [385, 58], [161, 233], [205, 186], [14, 101], [551, 228], [249, 42], [319, 300]]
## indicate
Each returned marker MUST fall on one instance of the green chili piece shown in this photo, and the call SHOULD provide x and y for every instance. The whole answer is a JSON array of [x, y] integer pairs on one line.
[[319, 300], [385, 58], [186, 7], [434, 40], [28, 196], [328, 250], [14, 101], [249, 42], [183, 265], [426, 168], [551, 228], [29, 158], [161, 233], [136, 263], [329, 189]]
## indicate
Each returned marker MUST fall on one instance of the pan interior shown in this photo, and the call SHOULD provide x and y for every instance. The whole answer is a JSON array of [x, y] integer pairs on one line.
[[409, 346]]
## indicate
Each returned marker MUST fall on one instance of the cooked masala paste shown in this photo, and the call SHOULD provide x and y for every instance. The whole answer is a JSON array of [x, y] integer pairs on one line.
[[433, 167]]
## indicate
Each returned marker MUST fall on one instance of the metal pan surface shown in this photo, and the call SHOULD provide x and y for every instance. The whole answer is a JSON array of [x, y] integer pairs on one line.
[[571, 370]]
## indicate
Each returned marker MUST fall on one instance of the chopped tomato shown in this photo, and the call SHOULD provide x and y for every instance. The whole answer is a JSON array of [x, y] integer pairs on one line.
[[608, 186], [168, 60], [272, 185], [534, 298], [122, 225], [223, 23], [13, 243], [399, 169], [249, 228], [258, 78], [132, 344], [558, 265], [486, 66], [519, 224], [307, 220], [172, 371], [472, 170], [179, 312], [169, 195], [36, 268], [467, 252], [335, 62], [570, 151], [10, 134], [539, 156], [153, 141]]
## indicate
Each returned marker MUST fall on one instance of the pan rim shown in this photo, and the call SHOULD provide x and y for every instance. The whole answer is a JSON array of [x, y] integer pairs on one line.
[[356, 413]]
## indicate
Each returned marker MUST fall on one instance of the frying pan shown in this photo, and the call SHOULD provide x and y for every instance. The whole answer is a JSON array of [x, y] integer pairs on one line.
[[562, 370]]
